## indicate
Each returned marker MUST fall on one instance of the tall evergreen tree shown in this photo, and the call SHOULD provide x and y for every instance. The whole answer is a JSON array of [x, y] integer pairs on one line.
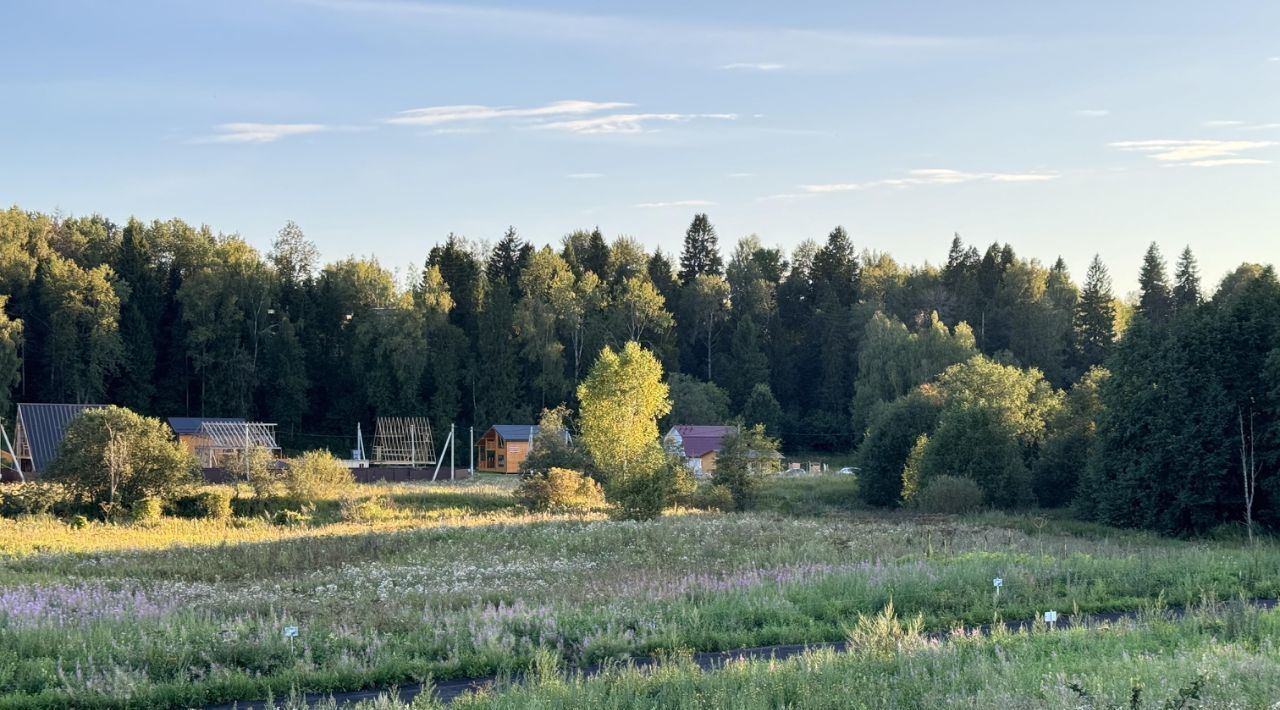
[[1186, 282], [1095, 317], [701, 255], [1155, 302], [505, 261]]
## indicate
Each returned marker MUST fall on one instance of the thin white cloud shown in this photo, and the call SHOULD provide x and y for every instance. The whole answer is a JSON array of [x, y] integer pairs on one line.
[[584, 176], [1198, 152], [1093, 112], [436, 115], [677, 203], [1261, 127], [1273, 59], [930, 176], [741, 175], [628, 122], [754, 66], [1227, 161], [260, 132], [1222, 124]]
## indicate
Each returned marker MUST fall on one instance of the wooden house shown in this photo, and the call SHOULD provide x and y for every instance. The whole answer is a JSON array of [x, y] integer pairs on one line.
[[504, 447], [698, 444]]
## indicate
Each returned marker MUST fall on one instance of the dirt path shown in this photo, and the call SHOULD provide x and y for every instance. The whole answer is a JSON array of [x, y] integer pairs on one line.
[[446, 691]]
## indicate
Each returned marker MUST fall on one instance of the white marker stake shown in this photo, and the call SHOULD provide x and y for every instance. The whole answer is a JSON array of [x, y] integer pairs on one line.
[[291, 632], [998, 582], [1051, 618]]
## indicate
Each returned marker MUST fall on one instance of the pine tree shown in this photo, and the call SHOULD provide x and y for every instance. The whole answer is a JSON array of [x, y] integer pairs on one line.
[[836, 265], [701, 255], [1155, 302], [1186, 287], [1095, 317], [505, 261]]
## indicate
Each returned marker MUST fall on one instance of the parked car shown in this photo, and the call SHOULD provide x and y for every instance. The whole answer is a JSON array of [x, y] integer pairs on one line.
[[849, 470]]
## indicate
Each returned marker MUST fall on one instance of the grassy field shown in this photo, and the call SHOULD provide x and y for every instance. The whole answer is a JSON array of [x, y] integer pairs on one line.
[[451, 580]]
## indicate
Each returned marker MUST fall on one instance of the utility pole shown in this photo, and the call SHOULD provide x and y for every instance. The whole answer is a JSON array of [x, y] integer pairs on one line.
[[471, 455], [451, 452]]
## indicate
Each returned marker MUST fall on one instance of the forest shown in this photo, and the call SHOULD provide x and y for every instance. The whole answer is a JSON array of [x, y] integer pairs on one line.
[[1160, 411]]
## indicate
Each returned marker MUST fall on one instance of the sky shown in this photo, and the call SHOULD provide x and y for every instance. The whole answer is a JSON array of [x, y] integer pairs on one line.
[[381, 126]]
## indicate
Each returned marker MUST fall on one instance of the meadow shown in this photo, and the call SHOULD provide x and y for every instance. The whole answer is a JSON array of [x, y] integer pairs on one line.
[[453, 580]]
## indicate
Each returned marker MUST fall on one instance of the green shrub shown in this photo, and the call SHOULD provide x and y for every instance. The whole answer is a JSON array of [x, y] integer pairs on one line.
[[213, 504], [315, 475], [949, 494], [365, 510], [78, 522], [560, 489], [146, 511], [37, 498], [112, 458], [713, 497]]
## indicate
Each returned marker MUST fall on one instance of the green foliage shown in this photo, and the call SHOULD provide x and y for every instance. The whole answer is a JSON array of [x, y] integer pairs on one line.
[[1068, 442], [696, 402], [763, 408], [622, 398], [316, 474], [1095, 318], [949, 494], [894, 430], [210, 504], [746, 456], [113, 458], [560, 490], [35, 498], [368, 510], [701, 255], [553, 446], [10, 361], [884, 635], [911, 469], [146, 511], [264, 474], [713, 496]]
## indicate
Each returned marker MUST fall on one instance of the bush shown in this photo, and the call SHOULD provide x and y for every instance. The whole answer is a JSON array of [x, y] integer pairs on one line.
[[949, 494], [552, 446], [78, 522], [146, 511], [560, 489], [316, 474], [746, 457], [34, 499], [713, 497], [365, 510], [214, 504], [112, 458]]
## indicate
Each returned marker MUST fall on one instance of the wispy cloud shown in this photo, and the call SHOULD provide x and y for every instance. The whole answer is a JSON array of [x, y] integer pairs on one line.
[[584, 176], [436, 115], [1093, 112], [629, 122], [1222, 124], [677, 203], [259, 132], [741, 175], [1201, 153], [755, 66], [930, 176]]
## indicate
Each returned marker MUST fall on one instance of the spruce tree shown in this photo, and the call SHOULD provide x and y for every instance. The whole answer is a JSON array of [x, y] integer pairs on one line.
[[1186, 282], [1155, 302], [701, 255], [1095, 317], [505, 261]]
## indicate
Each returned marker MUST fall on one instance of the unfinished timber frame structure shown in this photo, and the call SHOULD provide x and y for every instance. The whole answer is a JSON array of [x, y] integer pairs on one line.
[[222, 444], [403, 441]]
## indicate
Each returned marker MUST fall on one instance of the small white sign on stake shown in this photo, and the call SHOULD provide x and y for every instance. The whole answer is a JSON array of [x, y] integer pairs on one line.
[[1051, 618], [290, 632], [998, 582]]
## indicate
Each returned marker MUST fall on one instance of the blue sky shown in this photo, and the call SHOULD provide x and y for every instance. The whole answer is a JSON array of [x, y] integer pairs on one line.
[[382, 125]]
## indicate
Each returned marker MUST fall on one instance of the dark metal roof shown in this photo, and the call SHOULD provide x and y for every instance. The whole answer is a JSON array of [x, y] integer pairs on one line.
[[191, 425], [44, 425], [516, 432]]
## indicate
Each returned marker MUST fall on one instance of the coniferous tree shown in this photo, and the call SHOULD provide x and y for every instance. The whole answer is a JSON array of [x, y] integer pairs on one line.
[[1155, 302], [701, 254], [506, 260], [1186, 282], [1095, 317]]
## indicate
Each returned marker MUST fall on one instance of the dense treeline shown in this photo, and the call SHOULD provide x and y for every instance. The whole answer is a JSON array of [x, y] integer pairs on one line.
[[992, 367]]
